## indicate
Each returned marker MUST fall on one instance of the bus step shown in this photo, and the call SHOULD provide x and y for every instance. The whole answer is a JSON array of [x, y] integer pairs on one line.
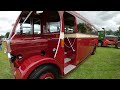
[[67, 60], [69, 68]]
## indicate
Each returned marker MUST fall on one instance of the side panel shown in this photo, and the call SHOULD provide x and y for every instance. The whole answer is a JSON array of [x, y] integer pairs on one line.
[[52, 46], [85, 47], [30, 64], [93, 42], [82, 49], [27, 46]]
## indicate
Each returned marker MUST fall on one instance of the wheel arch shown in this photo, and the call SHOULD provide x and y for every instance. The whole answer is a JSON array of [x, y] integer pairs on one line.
[[29, 65], [94, 49]]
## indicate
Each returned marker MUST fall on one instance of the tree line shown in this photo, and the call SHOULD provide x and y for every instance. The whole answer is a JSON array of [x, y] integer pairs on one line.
[[111, 32], [5, 36]]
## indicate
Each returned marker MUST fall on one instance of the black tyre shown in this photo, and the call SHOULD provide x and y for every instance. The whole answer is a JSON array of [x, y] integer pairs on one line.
[[94, 50], [100, 43], [45, 72], [118, 45]]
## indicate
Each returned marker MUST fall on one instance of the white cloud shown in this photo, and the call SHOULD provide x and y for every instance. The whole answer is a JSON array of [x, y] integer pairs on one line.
[[7, 18], [106, 15], [103, 19]]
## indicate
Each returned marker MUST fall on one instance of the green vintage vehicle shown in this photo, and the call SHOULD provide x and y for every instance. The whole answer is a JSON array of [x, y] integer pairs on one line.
[[105, 40]]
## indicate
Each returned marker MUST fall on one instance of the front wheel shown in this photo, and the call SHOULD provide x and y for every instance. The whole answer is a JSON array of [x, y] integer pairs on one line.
[[100, 43], [45, 72]]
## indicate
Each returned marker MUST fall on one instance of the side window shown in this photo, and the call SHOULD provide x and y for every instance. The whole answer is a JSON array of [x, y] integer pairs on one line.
[[83, 27], [69, 29], [37, 29], [53, 26], [94, 31], [25, 28], [37, 25], [69, 23], [52, 22]]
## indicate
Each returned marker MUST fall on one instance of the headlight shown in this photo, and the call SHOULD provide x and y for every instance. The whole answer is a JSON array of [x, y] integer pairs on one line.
[[19, 56]]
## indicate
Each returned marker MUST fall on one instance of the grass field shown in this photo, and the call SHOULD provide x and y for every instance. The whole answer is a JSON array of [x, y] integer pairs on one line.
[[5, 71], [105, 64]]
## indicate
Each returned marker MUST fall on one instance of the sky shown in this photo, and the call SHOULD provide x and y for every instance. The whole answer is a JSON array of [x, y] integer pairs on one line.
[[7, 18], [100, 19]]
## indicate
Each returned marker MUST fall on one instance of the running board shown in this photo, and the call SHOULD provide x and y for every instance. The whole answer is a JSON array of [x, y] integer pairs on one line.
[[69, 68], [66, 60]]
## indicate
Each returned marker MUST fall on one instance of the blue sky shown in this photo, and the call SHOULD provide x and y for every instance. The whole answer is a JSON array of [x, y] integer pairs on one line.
[[106, 19]]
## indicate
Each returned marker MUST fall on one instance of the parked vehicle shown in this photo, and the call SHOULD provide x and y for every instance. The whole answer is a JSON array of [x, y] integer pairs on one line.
[[49, 44], [105, 40], [117, 45]]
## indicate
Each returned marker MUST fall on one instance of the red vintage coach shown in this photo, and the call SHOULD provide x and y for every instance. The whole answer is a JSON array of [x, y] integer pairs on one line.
[[49, 44]]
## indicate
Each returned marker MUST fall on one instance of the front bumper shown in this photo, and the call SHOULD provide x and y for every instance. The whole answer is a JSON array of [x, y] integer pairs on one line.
[[16, 72]]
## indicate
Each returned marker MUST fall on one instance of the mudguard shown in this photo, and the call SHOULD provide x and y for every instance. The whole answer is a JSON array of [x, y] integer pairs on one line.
[[33, 62]]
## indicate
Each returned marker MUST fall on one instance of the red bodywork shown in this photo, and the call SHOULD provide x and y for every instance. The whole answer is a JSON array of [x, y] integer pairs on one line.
[[31, 46], [109, 41]]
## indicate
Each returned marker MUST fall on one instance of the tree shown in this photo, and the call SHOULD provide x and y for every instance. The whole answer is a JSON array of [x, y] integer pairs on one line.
[[1, 36], [81, 28], [7, 34], [117, 32], [119, 28], [109, 32]]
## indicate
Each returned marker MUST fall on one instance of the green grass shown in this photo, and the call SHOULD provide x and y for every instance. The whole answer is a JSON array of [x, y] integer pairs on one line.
[[5, 71], [105, 64]]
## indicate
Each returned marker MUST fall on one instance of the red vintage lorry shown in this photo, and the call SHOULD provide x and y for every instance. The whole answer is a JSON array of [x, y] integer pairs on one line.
[[49, 44]]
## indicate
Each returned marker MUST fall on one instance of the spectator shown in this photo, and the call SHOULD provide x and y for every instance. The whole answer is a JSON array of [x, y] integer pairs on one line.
[[0, 44]]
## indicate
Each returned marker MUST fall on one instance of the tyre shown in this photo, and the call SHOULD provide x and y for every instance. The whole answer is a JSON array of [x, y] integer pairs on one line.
[[100, 44], [94, 50], [118, 45], [45, 72]]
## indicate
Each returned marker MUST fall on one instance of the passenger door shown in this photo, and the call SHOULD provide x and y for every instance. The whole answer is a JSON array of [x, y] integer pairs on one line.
[[69, 41]]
